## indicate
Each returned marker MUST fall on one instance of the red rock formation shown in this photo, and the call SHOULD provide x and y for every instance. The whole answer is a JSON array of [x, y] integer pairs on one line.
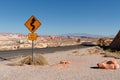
[[65, 62], [105, 41], [108, 64]]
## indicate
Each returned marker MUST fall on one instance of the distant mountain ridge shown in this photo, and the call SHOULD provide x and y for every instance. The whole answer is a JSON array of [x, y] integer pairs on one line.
[[88, 35], [83, 35]]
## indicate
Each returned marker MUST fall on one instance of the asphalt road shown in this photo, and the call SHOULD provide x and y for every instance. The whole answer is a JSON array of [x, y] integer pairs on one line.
[[5, 55]]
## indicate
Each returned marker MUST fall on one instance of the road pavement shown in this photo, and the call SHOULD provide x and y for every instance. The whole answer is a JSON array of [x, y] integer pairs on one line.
[[4, 55]]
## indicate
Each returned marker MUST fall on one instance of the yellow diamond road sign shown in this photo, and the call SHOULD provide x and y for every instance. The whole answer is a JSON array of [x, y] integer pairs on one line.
[[32, 24]]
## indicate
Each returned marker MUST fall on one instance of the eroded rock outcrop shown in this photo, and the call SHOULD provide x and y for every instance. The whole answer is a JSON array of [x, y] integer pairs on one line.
[[116, 42], [108, 64]]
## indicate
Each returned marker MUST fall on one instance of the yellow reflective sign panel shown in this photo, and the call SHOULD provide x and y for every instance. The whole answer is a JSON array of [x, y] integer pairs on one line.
[[32, 36], [32, 24]]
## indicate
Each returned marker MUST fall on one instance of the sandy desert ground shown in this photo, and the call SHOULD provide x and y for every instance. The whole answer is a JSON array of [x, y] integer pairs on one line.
[[83, 66], [82, 61]]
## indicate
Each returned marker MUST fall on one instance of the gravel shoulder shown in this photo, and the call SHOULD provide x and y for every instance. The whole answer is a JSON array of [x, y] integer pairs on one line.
[[82, 67]]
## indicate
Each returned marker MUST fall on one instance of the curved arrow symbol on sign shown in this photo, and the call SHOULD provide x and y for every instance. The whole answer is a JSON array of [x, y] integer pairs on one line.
[[33, 20]]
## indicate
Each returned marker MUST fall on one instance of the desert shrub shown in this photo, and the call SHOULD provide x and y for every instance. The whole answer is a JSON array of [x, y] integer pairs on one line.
[[76, 51], [38, 60], [113, 51], [117, 52]]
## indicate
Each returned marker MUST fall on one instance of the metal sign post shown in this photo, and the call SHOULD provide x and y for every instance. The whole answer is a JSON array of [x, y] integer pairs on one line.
[[32, 24], [32, 50]]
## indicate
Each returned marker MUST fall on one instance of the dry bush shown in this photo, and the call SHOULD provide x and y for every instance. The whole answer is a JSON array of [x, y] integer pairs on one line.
[[38, 60], [112, 54], [76, 51]]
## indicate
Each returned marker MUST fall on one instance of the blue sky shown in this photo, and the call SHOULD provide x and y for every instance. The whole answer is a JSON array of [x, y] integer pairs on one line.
[[100, 17]]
